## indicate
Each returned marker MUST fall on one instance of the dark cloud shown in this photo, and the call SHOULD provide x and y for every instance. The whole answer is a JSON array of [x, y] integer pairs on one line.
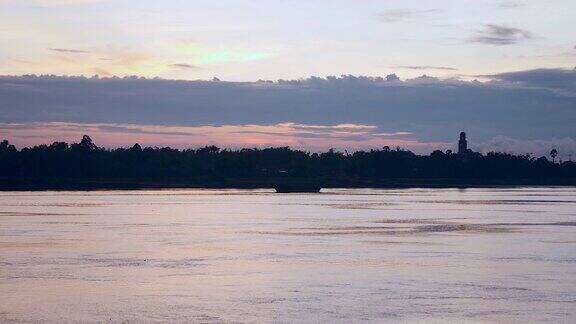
[[427, 67], [136, 130], [500, 35], [114, 128], [184, 66], [537, 104], [392, 77], [559, 80], [68, 50], [395, 15]]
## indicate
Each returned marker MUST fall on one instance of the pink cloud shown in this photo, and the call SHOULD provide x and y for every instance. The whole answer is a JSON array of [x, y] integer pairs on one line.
[[309, 137]]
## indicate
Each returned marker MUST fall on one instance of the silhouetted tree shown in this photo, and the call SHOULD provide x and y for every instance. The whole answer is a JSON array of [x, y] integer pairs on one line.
[[87, 144], [554, 154], [85, 161]]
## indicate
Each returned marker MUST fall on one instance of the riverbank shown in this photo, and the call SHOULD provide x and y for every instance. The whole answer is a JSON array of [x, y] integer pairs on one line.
[[40, 184]]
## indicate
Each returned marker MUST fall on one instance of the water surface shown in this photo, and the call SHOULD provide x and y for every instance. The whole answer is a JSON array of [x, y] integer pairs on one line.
[[475, 255]]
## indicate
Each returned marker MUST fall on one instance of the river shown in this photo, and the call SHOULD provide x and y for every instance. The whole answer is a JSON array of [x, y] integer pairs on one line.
[[410, 255]]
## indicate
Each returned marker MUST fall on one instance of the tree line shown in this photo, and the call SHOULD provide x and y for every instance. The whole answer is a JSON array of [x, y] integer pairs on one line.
[[85, 160]]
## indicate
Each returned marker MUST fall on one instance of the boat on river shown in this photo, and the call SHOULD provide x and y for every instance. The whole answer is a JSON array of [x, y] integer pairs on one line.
[[297, 188]]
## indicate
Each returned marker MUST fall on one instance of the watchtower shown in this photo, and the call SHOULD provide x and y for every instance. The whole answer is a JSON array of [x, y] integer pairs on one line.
[[462, 144]]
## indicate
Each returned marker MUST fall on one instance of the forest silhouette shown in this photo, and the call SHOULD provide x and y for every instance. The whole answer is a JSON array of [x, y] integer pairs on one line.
[[84, 165]]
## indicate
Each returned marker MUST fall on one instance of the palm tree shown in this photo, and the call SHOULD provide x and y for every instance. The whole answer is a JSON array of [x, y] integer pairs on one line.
[[554, 154]]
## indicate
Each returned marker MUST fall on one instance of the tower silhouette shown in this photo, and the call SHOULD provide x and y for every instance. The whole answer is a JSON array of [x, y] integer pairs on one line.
[[462, 144]]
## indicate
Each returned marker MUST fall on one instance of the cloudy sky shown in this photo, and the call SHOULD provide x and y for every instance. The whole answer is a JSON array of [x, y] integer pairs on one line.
[[501, 70]]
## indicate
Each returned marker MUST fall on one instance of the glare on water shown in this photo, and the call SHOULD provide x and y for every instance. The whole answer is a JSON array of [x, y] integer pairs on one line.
[[476, 255]]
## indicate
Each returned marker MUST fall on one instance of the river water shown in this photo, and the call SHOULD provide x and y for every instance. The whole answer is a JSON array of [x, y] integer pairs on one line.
[[415, 255]]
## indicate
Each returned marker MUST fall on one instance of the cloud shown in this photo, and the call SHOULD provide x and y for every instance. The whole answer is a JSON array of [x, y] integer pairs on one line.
[[64, 2], [493, 34], [427, 67], [396, 15], [524, 105], [101, 71], [68, 50], [392, 134], [72, 61], [510, 4], [183, 66], [121, 62], [339, 127], [199, 55], [225, 56], [295, 135], [562, 81], [49, 3]]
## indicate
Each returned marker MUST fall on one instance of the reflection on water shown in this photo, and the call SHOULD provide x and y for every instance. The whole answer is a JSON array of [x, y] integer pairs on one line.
[[476, 255]]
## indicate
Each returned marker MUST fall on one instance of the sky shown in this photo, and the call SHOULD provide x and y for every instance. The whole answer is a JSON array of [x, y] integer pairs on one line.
[[353, 74]]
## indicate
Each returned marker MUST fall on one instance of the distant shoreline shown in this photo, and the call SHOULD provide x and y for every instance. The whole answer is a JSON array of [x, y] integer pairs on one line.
[[85, 166], [129, 184]]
